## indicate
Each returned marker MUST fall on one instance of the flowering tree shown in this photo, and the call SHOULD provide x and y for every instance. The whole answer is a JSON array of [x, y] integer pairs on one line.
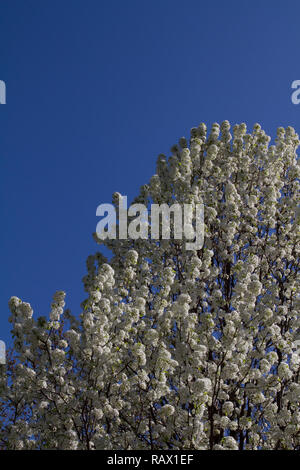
[[176, 349]]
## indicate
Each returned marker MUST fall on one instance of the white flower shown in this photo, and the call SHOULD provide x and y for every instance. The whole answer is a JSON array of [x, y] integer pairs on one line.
[[230, 443], [284, 371], [167, 410], [228, 408], [203, 385]]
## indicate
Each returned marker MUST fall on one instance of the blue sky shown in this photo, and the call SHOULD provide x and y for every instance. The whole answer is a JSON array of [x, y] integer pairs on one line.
[[96, 90]]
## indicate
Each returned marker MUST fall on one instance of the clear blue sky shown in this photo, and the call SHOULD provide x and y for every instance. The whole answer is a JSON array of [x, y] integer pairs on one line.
[[96, 90]]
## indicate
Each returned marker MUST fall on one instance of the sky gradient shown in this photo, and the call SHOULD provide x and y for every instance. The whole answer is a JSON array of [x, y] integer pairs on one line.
[[96, 90]]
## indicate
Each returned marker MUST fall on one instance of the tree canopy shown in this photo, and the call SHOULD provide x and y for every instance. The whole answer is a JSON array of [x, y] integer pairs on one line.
[[176, 348]]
